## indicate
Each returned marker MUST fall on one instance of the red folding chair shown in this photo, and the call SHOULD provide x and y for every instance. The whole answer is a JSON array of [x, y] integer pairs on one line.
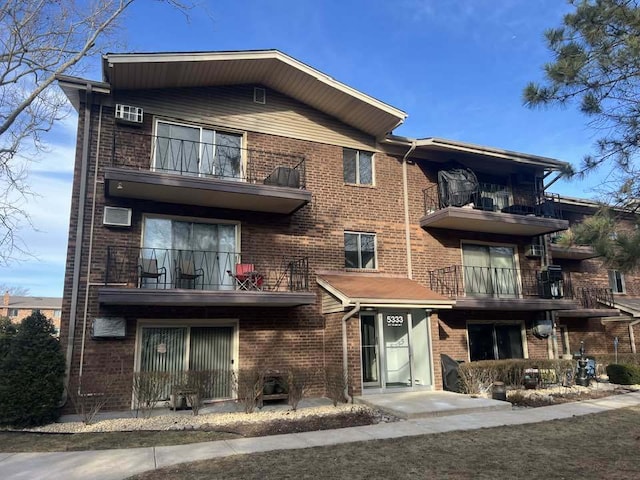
[[246, 277]]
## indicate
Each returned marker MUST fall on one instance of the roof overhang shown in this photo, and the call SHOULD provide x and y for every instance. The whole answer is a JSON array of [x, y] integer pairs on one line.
[[443, 145], [386, 292], [270, 68], [75, 88]]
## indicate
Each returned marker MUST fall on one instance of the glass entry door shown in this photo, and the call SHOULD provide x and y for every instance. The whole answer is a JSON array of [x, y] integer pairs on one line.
[[397, 350], [369, 351]]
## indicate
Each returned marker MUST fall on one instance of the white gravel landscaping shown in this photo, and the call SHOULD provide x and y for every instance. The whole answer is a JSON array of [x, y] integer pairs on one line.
[[187, 421]]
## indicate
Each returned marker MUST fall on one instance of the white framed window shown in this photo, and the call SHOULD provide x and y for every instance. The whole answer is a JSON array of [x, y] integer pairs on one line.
[[490, 270], [358, 166], [360, 250], [13, 312], [616, 281], [194, 150]]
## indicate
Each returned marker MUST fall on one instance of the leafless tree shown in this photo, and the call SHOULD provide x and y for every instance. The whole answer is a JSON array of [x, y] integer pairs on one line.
[[40, 39], [13, 290]]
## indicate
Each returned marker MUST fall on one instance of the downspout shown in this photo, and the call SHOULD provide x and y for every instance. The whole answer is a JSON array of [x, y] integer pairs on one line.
[[405, 191], [632, 337], [345, 354], [90, 252], [77, 258]]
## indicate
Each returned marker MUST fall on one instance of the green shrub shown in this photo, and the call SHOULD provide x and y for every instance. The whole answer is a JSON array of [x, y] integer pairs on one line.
[[31, 383], [623, 374]]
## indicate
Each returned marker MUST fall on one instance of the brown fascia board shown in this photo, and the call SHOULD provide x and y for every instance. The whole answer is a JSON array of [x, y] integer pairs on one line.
[[440, 144]]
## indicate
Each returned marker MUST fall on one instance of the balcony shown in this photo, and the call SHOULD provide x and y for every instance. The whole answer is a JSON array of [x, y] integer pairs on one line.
[[491, 208], [164, 169], [163, 277], [570, 252], [492, 288], [593, 302]]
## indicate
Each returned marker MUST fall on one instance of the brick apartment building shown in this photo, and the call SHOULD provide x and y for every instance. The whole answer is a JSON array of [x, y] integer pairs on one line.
[[17, 308], [235, 209]]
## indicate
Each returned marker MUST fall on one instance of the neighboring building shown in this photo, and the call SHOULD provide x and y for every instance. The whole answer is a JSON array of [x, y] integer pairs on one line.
[[611, 298], [17, 308], [240, 209]]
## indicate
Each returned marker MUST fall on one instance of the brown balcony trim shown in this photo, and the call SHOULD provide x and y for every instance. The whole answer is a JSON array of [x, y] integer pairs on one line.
[[575, 252], [518, 304], [472, 220], [589, 313], [203, 298], [203, 191]]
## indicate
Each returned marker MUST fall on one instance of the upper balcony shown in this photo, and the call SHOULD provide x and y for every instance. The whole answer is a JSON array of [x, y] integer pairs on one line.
[[570, 252], [490, 208], [512, 288], [175, 277], [176, 169]]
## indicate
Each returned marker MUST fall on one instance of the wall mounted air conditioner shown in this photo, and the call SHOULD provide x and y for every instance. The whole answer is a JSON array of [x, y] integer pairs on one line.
[[117, 217], [108, 327], [533, 251], [129, 114]]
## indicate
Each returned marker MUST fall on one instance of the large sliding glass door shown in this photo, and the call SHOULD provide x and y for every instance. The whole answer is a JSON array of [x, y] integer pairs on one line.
[[206, 249], [174, 350], [192, 150], [490, 271], [495, 341]]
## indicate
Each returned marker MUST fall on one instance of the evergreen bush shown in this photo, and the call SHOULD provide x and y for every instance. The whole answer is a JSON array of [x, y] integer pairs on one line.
[[623, 374], [31, 383]]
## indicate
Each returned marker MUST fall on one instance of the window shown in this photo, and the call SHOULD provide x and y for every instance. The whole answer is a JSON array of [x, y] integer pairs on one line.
[[358, 166], [490, 271], [359, 250], [206, 249], [13, 312], [57, 313], [616, 281], [35, 310], [191, 150], [495, 341]]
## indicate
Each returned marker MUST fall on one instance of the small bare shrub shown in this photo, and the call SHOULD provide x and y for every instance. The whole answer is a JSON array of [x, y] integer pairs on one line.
[[89, 395], [299, 382], [249, 383], [476, 379], [199, 385], [148, 389], [335, 384]]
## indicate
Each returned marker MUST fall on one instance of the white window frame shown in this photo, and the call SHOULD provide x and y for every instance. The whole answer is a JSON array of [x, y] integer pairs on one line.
[[516, 259], [613, 283], [188, 323], [375, 250], [201, 127], [373, 167]]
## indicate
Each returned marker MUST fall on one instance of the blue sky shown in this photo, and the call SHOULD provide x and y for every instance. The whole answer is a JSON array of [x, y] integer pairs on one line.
[[456, 67]]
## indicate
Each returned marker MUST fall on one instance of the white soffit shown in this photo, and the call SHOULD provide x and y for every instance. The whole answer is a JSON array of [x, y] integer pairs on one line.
[[270, 68]]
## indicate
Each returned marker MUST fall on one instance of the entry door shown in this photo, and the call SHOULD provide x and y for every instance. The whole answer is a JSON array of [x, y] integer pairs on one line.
[[397, 353]]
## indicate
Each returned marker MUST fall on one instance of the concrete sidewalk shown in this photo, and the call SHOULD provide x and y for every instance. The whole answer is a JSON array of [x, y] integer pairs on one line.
[[119, 464]]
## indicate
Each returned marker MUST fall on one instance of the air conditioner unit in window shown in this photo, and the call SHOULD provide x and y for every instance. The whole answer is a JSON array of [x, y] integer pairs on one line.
[[533, 251], [117, 217], [129, 114]]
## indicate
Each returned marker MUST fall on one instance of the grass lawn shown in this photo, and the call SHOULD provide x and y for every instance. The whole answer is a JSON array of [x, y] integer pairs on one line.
[[604, 445], [59, 442]]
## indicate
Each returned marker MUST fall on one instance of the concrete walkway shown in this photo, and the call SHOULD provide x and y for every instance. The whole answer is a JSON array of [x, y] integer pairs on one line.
[[119, 464]]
